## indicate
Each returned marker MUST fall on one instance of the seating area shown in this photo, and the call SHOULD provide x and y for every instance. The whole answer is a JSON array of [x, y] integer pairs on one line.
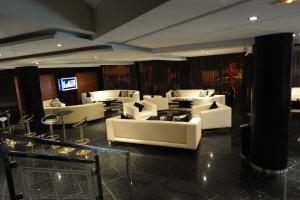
[[150, 99]]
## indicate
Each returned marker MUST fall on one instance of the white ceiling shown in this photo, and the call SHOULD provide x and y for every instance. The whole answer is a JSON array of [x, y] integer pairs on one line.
[[174, 30]]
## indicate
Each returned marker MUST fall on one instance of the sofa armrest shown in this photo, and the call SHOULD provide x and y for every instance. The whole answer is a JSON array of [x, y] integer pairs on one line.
[[131, 110], [194, 132], [136, 96], [169, 94]]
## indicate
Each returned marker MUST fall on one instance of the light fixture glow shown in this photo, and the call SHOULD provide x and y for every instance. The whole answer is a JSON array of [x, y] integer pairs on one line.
[[253, 18], [211, 155], [59, 45], [36, 62], [294, 35], [0, 54], [208, 165], [282, 2], [204, 178], [95, 57]]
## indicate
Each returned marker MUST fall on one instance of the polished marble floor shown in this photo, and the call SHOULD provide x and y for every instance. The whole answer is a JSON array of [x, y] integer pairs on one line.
[[214, 172]]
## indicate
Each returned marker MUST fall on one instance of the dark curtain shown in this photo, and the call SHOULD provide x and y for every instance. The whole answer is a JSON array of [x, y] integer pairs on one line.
[[119, 77], [224, 73], [296, 68], [158, 77]]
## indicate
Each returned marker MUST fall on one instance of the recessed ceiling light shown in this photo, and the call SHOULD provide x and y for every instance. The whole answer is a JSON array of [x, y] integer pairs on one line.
[[59, 45], [253, 18], [95, 57], [294, 35]]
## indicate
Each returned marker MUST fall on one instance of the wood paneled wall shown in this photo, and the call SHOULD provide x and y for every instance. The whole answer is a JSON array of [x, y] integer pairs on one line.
[[48, 86], [86, 82]]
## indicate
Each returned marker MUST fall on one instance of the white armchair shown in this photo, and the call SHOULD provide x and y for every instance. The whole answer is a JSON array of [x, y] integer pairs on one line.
[[160, 102], [149, 110], [213, 118]]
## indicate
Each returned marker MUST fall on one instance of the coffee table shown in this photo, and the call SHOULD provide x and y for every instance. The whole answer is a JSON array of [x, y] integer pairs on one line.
[[184, 103]]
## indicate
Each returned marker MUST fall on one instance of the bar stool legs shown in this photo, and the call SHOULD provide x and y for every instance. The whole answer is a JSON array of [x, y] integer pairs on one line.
[[7, 129], [26, 119], [82, 140]]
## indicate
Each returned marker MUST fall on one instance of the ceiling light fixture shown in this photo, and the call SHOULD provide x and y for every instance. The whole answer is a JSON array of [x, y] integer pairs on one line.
[[284, 2], [59, 45], [95, 57], [253, 18], [294, 35], [0, 54], [36, 62]]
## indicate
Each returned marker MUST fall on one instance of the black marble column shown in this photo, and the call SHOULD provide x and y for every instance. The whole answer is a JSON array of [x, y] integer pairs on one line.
[[271, 92], [31, 97]]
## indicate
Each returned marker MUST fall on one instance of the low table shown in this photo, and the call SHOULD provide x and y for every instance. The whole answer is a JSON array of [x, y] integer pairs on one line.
[[169, 115], [108, 103], [184, 103]]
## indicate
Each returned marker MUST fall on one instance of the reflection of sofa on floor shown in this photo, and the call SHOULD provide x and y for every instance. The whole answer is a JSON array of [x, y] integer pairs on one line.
[[92, 111], [155, 132], [213, 118], [199, 96], [121, 95]]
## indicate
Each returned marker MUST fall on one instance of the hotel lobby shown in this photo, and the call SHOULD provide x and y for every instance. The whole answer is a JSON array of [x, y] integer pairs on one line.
[[150, 99]]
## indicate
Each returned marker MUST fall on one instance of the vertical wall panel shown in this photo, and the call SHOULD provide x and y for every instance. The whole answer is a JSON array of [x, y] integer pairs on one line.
[[86, 82], [48, 86]]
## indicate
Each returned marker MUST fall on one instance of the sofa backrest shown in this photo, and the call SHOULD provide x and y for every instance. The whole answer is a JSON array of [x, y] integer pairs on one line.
[[191, 93], [107, 93], [91, 111]]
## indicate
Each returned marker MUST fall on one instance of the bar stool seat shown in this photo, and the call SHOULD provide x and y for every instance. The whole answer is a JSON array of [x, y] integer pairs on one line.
[[49, 120]]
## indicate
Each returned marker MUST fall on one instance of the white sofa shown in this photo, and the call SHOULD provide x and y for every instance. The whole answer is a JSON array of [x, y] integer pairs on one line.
[[161, 103], [195, 96], [213, 118], [155, 132], [149, 110], [107, 94], [92, 111], [46, 103], [295, 94]]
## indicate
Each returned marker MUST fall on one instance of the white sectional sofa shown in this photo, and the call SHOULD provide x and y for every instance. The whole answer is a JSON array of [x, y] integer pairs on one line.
[[295, 95], [155, 132], [213, 118], [92, 111], [149, 110], [47, 103], [108, 94], [161, 103], [195, 96]]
